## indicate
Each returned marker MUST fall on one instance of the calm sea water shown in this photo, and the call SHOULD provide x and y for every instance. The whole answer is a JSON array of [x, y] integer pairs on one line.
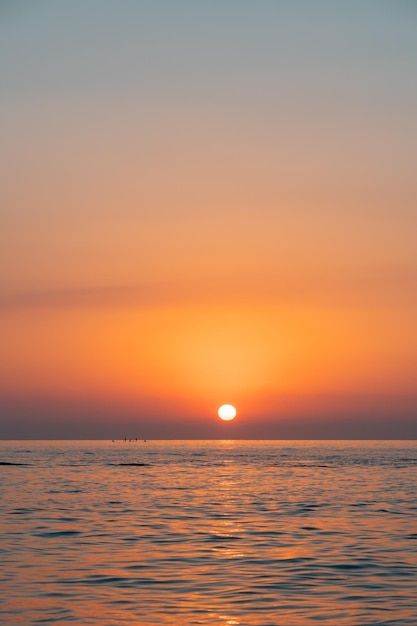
[[225, 533]]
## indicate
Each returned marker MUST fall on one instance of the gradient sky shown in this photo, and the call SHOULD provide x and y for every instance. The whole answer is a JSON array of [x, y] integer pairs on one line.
[[208, 202]]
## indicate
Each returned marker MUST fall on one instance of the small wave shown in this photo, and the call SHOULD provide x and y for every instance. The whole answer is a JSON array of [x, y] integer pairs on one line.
[[24, 511], [12, 463], [292, 464], [60, 533], [130, 464]]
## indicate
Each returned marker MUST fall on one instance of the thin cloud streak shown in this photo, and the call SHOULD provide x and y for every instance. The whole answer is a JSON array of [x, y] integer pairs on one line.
[[387, 287]]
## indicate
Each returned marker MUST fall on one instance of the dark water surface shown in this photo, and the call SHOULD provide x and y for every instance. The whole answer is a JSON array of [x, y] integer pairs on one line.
[[225, 533]]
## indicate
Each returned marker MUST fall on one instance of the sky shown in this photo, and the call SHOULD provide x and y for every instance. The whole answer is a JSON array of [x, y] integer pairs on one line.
[[208, 202]]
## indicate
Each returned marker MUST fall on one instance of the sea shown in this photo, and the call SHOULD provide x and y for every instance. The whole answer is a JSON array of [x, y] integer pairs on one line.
[[225, 533]]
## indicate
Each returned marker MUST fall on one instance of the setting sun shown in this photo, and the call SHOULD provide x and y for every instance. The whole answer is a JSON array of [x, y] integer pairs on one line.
[[227, 412]]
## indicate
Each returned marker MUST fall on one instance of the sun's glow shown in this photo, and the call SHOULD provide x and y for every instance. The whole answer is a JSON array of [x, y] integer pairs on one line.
[[227, 412]]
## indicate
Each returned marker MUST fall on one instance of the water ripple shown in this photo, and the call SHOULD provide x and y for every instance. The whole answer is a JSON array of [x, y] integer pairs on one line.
[[209, 533]]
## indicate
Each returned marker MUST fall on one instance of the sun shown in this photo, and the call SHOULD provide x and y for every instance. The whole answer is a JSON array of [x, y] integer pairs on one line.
[[227, 412]]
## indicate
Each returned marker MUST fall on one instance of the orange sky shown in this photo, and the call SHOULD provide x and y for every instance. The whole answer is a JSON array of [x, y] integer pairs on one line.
[[184, 229]]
